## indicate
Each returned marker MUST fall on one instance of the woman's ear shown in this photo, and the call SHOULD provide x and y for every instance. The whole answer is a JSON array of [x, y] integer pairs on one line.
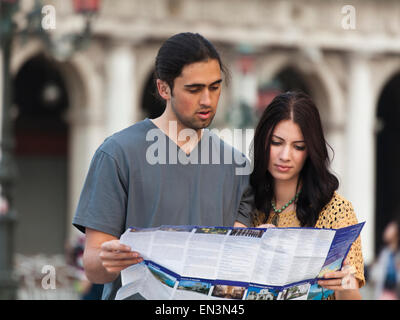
[[163, 89]]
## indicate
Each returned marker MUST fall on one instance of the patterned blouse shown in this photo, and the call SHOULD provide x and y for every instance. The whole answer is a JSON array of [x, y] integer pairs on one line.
[[338, 213]]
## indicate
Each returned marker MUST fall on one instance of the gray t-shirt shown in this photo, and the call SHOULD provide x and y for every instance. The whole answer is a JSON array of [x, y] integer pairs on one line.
[[140, 177]]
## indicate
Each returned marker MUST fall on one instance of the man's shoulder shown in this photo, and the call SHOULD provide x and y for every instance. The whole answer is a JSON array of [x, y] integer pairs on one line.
[[137, 130], [229, 154], [132, 137], [216, 139]]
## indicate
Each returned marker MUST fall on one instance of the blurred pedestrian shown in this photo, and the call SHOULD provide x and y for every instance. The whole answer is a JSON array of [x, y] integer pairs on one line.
[[86, 289], [385, 272]]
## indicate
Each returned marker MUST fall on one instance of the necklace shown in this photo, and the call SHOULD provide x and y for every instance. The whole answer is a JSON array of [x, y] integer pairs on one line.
[[275, 219]]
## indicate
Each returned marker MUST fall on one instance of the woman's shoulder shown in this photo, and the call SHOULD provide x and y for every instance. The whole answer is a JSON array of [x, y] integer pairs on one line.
[[337, 213]]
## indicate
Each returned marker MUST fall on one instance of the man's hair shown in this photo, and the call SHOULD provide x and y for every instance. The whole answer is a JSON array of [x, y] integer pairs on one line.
[[180, 50]]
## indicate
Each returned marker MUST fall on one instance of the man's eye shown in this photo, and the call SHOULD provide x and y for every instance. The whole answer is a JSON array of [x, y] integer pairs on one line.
[[215, 88]]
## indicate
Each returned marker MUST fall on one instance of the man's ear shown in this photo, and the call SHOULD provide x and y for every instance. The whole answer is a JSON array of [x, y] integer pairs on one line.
[[163, 89]]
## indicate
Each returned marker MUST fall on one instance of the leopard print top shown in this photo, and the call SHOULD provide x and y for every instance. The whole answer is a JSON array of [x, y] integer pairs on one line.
[[338, 213]]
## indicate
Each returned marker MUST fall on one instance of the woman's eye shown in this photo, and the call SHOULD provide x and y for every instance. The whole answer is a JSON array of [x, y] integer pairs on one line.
[[300, 148], [276, 143]]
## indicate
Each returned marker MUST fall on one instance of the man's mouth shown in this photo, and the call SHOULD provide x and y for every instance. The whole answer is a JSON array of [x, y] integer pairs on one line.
[[204, 114]]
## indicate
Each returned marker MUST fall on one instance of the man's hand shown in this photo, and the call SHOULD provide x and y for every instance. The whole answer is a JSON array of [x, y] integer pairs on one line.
[[115, 256], [104, 256]]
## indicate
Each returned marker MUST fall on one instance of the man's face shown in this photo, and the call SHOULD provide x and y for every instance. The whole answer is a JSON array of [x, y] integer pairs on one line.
[[196, 93]]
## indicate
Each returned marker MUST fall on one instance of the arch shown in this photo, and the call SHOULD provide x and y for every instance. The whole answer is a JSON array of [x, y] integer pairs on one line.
[[317, 75], [83, 81], [85, 114], [387, 172], [387, 71], [320, 74], [41, 155]]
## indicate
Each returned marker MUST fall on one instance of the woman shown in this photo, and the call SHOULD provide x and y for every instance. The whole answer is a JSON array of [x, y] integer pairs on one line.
[[291, 181]]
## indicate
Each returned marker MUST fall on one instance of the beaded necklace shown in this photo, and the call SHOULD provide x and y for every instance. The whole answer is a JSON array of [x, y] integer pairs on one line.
[[275, 219]]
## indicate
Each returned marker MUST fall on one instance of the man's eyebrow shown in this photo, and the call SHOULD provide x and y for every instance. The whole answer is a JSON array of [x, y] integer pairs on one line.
[[202, 84], [278, 137]]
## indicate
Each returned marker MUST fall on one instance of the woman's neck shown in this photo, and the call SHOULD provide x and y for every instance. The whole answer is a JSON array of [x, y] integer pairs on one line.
[[284, 191]]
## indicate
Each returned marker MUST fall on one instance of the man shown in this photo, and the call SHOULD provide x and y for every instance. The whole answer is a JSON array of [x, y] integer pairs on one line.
[[131, 183]]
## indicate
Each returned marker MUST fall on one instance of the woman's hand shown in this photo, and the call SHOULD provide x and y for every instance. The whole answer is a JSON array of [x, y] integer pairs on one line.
[[266, 225], [340, 280], [343, 282]]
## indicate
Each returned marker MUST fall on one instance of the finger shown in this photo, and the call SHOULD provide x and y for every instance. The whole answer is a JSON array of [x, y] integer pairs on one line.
[[335, 274], [117, 270], [337, 286], [330, 283], [267, 225], [334, 288], [117, 255], [112, 265], [115, 245], [349, 269]]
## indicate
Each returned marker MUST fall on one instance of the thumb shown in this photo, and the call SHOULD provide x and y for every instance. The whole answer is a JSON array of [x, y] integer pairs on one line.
[[115, 245]]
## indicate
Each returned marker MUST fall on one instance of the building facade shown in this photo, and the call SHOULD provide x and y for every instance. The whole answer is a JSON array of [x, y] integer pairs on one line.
[[347, 57]]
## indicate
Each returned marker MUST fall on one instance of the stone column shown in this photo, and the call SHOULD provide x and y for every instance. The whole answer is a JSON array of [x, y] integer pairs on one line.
[[360, 157], [1, 90], [121, 109], [86, 135]]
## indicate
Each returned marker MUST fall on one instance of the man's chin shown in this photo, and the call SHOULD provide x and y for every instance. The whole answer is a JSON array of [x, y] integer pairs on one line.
[[204, 123]]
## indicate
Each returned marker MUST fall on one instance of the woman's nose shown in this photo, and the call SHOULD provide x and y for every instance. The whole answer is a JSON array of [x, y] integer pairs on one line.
[[285, 153]]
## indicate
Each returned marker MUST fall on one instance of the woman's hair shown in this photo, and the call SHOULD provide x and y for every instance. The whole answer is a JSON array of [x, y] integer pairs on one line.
[[318, 183], [180, 50]]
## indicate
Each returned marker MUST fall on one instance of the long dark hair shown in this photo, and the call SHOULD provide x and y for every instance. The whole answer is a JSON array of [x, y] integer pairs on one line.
[[318, 183], [180, 50]]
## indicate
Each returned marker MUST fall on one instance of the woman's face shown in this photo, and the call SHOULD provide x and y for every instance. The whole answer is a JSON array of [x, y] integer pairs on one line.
[[288, 151]]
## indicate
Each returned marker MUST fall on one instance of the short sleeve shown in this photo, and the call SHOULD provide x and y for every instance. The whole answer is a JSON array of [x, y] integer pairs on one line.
[[246, 206], [339, 213], [103, 201]]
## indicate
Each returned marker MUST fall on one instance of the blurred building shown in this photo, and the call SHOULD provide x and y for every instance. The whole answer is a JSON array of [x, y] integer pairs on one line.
[[346, 57]]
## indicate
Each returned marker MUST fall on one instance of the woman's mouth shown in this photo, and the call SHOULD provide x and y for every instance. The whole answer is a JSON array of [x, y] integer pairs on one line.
[[282, 168]]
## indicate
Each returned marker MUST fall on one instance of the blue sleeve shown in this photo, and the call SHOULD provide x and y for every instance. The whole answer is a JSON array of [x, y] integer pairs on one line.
[[103, 201]]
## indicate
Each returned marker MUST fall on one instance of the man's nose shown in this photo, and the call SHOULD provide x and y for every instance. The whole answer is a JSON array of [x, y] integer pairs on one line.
[[205, 99]]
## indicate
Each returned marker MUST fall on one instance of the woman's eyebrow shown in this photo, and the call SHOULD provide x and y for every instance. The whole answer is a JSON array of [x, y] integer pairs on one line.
[[278, 137]]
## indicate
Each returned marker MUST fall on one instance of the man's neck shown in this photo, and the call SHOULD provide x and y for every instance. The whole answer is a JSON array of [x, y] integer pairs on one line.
[[186, 138]]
